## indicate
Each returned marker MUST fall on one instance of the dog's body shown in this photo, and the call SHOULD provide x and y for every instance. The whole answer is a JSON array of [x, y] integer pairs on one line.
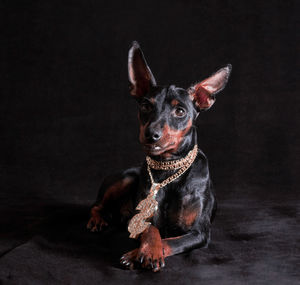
[[186, 206]]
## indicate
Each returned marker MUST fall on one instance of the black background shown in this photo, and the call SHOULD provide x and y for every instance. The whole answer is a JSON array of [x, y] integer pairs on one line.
[[67, 118]]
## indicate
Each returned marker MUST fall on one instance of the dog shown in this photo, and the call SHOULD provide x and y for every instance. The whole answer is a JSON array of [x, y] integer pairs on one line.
[[169, 201]]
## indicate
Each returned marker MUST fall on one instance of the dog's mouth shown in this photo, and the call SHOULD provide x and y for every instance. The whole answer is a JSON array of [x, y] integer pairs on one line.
[[156, 149]]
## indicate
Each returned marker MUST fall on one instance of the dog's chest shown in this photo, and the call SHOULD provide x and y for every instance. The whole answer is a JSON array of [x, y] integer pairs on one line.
[[179, 205], [176, 212]]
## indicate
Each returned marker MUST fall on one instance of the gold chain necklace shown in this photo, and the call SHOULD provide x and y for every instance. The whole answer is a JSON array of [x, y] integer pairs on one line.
[[149, 205]]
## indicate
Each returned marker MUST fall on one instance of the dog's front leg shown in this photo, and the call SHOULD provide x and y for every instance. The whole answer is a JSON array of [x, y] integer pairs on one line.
[[191, 240], [111, 192], [149, 254], [153, 250]]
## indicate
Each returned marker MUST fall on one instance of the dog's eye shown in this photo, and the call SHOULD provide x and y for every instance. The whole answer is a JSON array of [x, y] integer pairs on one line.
[[146, 107], [179, 112]]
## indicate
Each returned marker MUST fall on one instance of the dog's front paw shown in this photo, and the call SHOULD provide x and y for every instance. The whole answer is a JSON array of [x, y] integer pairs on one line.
[[96, 222], [129, 259], [136, 258], [151, 256], [146, 257]]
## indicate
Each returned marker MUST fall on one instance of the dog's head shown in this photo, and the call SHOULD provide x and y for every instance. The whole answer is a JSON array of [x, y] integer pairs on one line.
[[167, 114]]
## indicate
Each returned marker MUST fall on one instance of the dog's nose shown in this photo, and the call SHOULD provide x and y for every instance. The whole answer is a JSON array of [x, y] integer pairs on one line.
[[153, 136]]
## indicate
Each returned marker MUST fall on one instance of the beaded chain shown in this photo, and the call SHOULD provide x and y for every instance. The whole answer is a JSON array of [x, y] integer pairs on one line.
[[183, 163], [149, 205]]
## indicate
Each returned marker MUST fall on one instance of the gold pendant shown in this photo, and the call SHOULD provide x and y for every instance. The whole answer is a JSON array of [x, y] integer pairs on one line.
[[147, 207]]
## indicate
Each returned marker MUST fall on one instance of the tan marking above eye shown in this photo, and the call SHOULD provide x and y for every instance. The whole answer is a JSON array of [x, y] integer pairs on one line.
[[174, 102], [152, 100]]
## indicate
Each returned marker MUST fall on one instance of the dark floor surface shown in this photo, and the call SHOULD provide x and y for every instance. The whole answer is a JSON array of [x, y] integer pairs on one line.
[[254, 241]]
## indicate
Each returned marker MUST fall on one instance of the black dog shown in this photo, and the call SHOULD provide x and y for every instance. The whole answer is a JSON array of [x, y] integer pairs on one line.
[[186, 205]]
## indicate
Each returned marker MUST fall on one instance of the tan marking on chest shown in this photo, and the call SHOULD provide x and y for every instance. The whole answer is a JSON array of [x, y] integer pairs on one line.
[[187, 217]]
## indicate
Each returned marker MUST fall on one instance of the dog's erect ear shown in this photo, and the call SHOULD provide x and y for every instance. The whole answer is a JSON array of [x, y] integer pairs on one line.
[[203, 93], [140, 76]]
